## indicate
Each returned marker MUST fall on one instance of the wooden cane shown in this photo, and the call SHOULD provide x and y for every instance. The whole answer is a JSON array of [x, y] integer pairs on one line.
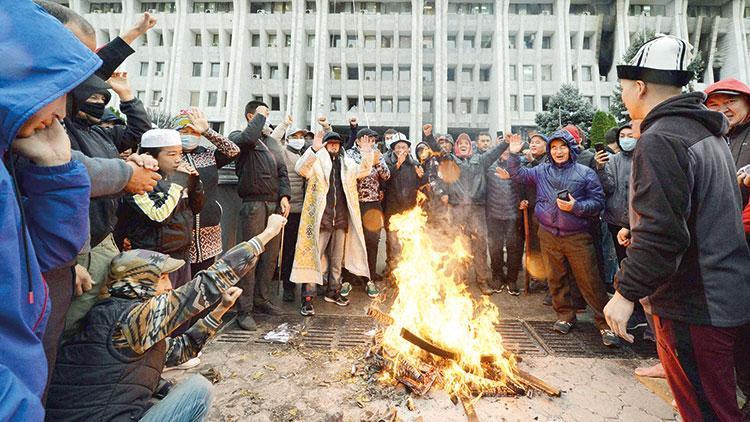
[[527, 277], [281, 256]]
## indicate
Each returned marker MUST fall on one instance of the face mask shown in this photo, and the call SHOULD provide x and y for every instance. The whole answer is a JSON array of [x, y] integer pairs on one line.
[[297, 143], [189, 142], [93, 109], [627, 144]]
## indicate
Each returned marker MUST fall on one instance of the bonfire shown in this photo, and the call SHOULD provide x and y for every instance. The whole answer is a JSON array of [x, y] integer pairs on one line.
[[436, 333]]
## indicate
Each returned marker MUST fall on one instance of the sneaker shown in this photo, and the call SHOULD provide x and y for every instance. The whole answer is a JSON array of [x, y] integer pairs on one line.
[[335, 297], [536, 285], [268, 308], [563, 327], [609, 338], [189, 364], [246, 322], [288, 295], [486, 290], [547, 300], [307, 307], [513, 289], [372, 290], [346, 288]]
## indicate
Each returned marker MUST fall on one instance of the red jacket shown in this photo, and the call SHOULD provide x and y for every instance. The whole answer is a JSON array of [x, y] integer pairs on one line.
[[746, 218]]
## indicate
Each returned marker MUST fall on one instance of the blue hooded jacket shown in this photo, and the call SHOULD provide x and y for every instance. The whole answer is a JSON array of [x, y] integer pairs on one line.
[[550, 178], [43, 61]]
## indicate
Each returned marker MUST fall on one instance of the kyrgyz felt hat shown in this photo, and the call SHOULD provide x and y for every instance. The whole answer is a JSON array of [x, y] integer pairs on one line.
[[663, 60]]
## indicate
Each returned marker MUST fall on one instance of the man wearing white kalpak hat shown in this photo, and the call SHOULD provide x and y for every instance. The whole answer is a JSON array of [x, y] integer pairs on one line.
[[687, 259]]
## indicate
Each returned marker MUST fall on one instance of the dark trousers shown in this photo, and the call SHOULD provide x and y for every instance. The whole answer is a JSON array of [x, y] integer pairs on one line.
[[503, 235], [699, 361], [471, 219], [200, 266], [619, 249], [290, 245], [578, 252], [372, 225], [256, 285], [61, 287]]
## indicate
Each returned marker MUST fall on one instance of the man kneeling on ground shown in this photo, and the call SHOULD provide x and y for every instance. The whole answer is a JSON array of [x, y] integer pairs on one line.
[[111, 369]]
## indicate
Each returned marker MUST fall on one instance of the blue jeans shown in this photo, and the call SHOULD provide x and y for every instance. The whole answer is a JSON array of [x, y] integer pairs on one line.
[[189, 401]]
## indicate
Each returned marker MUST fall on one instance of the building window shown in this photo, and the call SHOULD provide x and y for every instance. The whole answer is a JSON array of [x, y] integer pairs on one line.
[[587, 43], [512, 42], [528, 73], [547, 72], [386, 105], [287, 40], [386, 73], [451, 106], [141, 95], [159, 69], [335, 40], [213, 98], [589, 99], [227, 67], [352, 73], [467, 73], [404, 73], [468, 41], [271, 40], [229, 39], [144, 69], [528, 103], [254, 40], [336, 104], [369, 104], [156, 97], [403, 105], [528, 40], [336, 72], [428, 8], [586, 73], [530, 9], [648, 10], [215, 67], [386, 41], [311, 40], [545, 102], [370, 73], [546, 42], [514, 102], [214, 39], [273, 71], [428, 41], [451, 74], [352, 102], [451, 41], [427, 73], [370, 41], [310, 73], [465, 106], [257, 71], [512, 70], [404, 41], [484, 74], [486, 41], [351, 41], [309, 103], [105, 7], [604, 103], [275, 103], [483, 106], [427, 105], [162, 7], [224, 103], [160, 39], [197, 40]]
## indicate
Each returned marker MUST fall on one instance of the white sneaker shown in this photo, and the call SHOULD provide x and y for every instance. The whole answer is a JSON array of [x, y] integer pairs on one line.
[[190, 364]]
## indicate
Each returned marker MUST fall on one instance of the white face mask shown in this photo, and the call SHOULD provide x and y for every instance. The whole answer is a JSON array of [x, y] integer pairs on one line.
[[297, 143], [189, 142], [628, 144]]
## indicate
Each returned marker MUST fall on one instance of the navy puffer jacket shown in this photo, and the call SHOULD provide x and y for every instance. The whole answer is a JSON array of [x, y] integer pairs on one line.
[[550, 178]]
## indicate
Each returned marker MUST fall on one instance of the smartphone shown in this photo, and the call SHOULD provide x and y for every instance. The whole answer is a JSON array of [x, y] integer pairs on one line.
[[500, 134], [563, 194], [599, 147]]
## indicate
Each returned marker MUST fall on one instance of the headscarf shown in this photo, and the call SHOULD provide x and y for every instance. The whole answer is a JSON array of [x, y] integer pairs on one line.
[[463, 137]]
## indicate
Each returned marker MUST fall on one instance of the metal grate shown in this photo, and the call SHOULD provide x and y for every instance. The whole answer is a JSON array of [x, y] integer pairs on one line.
[[518, 338], [341, 332], [585, 341]]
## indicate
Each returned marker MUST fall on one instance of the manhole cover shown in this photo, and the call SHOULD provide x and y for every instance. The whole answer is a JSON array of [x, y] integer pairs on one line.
[[328, 331], [585, 341], [518, 338]]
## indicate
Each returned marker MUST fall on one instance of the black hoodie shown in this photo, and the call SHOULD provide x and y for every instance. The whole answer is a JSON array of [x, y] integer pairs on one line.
[[688, 251]]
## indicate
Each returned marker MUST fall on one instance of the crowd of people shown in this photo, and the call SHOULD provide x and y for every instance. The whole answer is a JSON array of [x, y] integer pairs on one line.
[[115, 269]]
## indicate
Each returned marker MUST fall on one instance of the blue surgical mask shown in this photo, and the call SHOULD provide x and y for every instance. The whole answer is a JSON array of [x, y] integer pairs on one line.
[[297, 143], [628, 144], [189, 142]]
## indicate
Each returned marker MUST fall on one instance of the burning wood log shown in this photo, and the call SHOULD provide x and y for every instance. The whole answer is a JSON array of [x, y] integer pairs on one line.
[[379, 316], [538, 384]]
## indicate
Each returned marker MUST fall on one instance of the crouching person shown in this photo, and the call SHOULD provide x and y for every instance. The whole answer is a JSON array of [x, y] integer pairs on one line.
[[110, 370], [330, 232]]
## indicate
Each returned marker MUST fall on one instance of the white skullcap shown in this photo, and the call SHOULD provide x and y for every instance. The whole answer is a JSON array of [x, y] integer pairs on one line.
[[157, 138]]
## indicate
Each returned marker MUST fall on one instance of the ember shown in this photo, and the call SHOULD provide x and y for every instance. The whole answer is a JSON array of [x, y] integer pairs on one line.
[[436, 333]]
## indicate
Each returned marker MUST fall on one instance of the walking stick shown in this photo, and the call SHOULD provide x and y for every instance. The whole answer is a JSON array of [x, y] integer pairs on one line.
[[281, 257], [526, 252]]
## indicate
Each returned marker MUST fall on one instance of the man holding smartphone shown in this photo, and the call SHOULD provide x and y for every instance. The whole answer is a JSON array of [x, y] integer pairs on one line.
[[568, 195]]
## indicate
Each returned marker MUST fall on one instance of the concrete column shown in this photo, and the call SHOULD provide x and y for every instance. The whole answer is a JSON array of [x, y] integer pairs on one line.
[[320, 89], [709, 79], [440, 97], [622, 35], [417, 60], [738, 59], [178, 56], [234, 112]]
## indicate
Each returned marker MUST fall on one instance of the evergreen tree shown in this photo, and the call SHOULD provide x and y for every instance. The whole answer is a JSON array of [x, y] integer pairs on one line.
[[566, 106], [602, 122]]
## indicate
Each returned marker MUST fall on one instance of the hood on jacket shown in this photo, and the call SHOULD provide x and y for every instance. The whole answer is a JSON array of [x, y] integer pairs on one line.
[[48, 62], [422, 146], [92, 85], [691, 106], [463, 136], [569, 140], [617, 134]]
